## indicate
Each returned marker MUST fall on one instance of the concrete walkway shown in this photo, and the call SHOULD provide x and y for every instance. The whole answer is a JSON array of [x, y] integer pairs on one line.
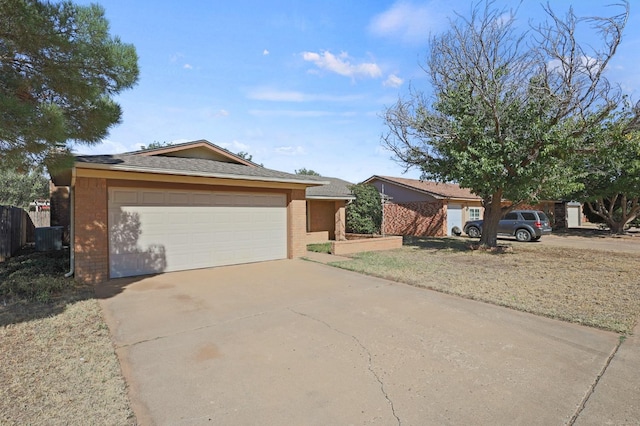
[[616, 396], [299, 342]]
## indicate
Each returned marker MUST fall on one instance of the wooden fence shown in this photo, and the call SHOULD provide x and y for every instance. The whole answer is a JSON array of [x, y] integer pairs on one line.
[[40, 218], [15, 226]]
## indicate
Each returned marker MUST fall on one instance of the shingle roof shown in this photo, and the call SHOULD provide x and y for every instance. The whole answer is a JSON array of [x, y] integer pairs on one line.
[[335, 189], [178, 147], [438, 189], [190, 166]]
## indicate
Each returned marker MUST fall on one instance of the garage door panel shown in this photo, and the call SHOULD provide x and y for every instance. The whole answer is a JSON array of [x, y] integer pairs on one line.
[[202, 199], [154, 231], [177, 198], [153, 198], [124, 197]]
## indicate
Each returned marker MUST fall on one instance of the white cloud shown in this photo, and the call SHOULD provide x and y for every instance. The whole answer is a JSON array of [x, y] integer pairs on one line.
[[218, 113], [342, 64], [275, 95], [265, 52], [393, 81], [409, 22], [235, 146], [587, 65], [290, 150], [105, 147], [187, 66], [505, 19]]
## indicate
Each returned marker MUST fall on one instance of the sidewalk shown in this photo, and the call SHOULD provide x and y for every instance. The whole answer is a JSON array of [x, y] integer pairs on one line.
[[616, 397]]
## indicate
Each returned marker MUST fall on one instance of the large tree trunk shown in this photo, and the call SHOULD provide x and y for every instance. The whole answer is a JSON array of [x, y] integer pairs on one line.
[[617, 227], [492, 215], [616, 218]]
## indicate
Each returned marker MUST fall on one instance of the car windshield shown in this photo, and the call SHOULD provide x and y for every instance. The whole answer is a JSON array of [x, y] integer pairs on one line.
[[543, 217]]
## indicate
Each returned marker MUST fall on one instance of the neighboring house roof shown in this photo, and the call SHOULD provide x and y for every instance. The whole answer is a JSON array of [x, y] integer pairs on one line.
[[198, 158], [435, 189], [336, 189]]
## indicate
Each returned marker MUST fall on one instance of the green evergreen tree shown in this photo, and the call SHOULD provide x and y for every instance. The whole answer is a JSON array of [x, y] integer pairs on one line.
[[364, 214], [59, 69]]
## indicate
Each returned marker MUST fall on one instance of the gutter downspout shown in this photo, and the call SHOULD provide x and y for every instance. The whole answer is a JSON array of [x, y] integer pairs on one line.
[[72, 226]]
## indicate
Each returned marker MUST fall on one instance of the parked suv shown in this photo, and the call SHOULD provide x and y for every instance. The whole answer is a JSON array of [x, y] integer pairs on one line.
[[525, 225]]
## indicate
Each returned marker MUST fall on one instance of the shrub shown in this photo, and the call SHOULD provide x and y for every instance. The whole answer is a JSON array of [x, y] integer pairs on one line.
[[35, 276], [364, 214]]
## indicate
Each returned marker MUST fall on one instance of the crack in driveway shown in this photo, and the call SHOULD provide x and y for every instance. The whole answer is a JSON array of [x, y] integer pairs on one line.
[[191, 330], [369, 366], [592, 388]]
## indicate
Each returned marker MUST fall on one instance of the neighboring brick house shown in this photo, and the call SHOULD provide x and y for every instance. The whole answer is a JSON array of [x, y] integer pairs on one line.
[[326, 204], [185, 206], [424, 208]]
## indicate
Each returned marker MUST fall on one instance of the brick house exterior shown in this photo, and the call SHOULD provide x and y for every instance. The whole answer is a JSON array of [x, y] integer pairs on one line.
[[326, 210], [191, 169], [423, 208], [420, 218]]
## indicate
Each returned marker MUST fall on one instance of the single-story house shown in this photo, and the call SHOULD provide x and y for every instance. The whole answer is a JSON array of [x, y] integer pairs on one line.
[[424, 208], [326, 207], [183, 206]]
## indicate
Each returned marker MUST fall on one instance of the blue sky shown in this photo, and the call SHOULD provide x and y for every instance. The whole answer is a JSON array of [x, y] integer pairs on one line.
[[297, 84]]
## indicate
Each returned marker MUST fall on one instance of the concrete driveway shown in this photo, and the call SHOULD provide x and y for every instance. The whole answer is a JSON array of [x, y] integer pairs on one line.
[[300, 343]]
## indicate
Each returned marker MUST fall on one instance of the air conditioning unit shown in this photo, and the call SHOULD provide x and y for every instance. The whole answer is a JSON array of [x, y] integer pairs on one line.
[[49, 238]]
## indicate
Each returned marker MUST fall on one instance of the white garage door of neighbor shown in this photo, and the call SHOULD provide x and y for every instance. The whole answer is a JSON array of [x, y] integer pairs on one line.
[[454, 217], [573, 216], [154, 230]]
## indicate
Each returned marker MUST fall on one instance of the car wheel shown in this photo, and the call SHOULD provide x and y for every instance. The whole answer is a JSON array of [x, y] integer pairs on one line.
[[473, 232], [535, 238], [523, 235]]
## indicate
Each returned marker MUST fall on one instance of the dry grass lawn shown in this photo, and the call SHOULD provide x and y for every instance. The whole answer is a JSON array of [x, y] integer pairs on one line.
[[62, 370], [57, 361], [596, 288]]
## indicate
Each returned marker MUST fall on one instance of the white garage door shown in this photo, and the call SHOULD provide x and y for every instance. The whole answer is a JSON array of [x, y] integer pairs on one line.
[[454, 217], [154, 231], [573, 216]]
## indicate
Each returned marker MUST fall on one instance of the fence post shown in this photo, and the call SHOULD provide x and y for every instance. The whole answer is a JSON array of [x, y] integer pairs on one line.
[[14, 226], [5, 236]]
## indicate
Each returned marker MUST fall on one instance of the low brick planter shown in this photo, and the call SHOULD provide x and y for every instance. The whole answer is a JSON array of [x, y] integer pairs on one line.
[[365, 244]]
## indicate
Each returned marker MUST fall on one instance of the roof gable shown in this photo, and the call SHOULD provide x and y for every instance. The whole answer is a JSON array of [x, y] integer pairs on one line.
[[435, 189], [191, 159], [334, 189], [201, 149]]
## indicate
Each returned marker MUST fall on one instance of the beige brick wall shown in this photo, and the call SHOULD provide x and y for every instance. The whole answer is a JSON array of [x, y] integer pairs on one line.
[[297, 224], [366, 244], [423, 218], [321, 217], [91, 242], [327, 216], [340, 220]]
